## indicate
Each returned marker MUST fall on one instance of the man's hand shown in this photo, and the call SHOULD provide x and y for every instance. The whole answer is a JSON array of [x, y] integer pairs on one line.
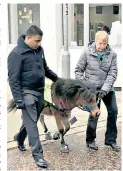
[[20, 104], [58, 78], [101, 93]]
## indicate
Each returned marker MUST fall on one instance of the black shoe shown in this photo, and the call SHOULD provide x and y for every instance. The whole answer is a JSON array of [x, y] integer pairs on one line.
[[114, 147], [21, 146], [92, 145], [42, 163]]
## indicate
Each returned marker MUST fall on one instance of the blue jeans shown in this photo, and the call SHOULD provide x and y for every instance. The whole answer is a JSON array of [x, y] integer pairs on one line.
[[111, 129]]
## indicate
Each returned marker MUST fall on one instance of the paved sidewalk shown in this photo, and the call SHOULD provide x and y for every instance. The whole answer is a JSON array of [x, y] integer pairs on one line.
[[14, 121], [79, 157]]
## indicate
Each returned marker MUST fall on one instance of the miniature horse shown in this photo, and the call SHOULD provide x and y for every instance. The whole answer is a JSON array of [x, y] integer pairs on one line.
[[66, 94]]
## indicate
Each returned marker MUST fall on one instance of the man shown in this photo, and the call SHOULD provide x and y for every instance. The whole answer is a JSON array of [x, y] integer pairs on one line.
[[106, 28], [27, 69], [99, 64]]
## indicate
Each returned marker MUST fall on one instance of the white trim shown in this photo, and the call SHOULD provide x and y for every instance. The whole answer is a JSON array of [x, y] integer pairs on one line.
[[3, 87], [86, 24]]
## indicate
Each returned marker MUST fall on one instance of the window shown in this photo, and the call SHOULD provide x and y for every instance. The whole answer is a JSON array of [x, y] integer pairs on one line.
[[115, 9], [106, 14], [75, 24], [21, 16], [79, 24], [99, 10]]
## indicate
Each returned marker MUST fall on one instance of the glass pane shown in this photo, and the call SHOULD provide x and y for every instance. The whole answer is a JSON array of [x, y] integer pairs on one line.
[[99, 10], [79, 24], [21, 16], [75, 24], [111, 17]]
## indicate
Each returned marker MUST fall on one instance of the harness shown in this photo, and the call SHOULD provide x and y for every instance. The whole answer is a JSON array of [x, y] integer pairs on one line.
[[64, 111]]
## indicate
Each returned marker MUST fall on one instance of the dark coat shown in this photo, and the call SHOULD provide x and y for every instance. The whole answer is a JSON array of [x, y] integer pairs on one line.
[[27, 69]]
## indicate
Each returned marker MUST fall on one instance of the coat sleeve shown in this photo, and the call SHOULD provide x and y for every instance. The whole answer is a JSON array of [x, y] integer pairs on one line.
[[80, 67], [48, 72], [14, 70], [112, 75]]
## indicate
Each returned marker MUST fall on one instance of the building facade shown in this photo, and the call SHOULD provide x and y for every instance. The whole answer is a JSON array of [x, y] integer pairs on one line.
[[83, 22]]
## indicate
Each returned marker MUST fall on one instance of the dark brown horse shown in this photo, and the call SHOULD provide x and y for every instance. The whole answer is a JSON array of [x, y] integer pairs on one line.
[[66, 94]]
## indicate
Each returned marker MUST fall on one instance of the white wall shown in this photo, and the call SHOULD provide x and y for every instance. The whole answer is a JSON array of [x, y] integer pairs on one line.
[[50, 19], [119, 52], [74, 57]]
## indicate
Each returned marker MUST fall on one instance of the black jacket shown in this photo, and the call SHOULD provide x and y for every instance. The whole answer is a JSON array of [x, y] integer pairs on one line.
[[27, 69]]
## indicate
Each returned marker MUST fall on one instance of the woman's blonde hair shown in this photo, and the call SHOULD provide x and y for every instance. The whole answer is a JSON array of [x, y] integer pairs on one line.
[[101, 35]]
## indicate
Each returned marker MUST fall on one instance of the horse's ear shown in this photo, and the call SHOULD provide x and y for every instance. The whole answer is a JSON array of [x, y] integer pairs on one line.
[[80, 90]]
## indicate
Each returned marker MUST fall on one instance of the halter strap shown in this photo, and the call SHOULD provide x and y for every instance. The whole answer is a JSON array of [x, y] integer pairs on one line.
[[86, 108]]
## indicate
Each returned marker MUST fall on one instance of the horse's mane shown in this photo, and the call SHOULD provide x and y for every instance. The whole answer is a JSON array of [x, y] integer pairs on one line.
[[65, 89], [68, 88]]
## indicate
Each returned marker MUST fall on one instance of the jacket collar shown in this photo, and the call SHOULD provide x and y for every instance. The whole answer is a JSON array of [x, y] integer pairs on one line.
[[23, 47], [93, 52]]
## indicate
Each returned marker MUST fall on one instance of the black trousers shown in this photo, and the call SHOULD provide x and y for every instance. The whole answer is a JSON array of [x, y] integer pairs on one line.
[[34, 102], [111, 130]]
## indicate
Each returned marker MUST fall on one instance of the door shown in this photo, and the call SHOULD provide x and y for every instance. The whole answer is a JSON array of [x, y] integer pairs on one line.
[[28, 14]]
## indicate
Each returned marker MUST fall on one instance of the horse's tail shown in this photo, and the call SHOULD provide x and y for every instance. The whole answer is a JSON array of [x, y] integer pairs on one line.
[[11, 106]]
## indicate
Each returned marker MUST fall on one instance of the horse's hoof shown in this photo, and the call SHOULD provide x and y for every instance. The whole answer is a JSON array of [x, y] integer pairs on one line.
[[64, 148], [56, 136], [48, 136]]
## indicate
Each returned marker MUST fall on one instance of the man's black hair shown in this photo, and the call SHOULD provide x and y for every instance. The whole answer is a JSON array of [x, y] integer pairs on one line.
[[106, 28], [33, 31]]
